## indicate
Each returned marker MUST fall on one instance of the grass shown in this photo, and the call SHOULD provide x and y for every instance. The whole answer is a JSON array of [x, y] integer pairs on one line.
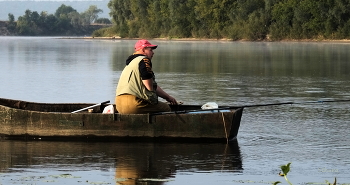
[[285, 170]]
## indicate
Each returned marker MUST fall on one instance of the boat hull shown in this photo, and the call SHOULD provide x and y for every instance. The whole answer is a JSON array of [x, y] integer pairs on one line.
[[28, 120]]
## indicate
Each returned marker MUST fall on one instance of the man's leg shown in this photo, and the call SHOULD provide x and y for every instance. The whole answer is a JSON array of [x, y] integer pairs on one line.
[[130, 104]]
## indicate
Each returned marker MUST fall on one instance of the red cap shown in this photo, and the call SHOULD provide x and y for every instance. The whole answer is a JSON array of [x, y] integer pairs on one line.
[[144, 44]]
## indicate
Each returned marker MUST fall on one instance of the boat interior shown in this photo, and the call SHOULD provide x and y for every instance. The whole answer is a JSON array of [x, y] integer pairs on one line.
[[70, 107]]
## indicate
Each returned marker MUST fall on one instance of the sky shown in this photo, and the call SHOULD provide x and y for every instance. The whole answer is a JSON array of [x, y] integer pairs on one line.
[[18, 7]]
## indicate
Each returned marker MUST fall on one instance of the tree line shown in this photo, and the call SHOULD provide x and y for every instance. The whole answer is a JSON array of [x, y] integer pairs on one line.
[[231, 19], [65, 21]]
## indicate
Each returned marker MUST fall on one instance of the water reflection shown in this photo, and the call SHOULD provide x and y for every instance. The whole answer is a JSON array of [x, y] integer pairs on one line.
[[253, 59], [77, 70], [133, 162], [244, 59]]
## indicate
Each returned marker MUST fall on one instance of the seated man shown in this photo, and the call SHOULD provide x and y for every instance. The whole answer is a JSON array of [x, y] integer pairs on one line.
[[137, 91]]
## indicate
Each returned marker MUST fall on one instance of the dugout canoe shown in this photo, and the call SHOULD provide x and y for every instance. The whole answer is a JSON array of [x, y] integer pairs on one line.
[[46, 121]]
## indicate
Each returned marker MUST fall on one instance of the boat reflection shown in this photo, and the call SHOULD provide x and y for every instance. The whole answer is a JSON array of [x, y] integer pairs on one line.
[[154, 162], [133, 163]]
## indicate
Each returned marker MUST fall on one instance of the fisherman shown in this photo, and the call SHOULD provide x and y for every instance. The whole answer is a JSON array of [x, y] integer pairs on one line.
[[137, 91]]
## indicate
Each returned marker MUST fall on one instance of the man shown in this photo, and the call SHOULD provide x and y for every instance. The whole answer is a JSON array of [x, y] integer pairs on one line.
[[137, 91]]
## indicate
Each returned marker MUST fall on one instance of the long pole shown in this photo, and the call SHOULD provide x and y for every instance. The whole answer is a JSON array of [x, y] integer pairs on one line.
[[244, 106], [285, 103], [90, 107]]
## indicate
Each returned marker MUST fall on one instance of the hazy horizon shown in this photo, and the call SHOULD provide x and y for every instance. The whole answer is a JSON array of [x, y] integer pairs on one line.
[[18, 7]]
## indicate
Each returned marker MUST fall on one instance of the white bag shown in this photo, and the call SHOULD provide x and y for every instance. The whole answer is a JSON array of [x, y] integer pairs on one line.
[[108, 110], [210, 105]]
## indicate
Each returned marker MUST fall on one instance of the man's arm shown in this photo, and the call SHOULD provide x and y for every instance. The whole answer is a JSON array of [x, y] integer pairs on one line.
[[159, 91], [148, 84], [166, 96]]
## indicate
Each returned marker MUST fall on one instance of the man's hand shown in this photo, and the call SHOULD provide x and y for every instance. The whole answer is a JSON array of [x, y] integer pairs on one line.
[[172, 100]]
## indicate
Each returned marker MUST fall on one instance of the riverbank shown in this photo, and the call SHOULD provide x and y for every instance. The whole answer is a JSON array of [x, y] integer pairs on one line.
[[4, 32], [203, 39]]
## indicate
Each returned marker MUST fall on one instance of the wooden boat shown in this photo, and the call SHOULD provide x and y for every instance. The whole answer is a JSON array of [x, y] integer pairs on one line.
[[29, 120]]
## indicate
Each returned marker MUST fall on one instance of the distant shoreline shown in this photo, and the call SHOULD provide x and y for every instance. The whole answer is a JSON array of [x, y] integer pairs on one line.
[[187, 39], [199, 39]]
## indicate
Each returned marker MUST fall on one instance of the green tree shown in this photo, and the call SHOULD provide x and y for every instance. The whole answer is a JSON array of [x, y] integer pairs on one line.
[[27, 24], [121, 14], [282, 15], [65, 21], [203, 10], [64, 24], [48, 22], [309, 19], [64, 10], [250, 20], [91, 14], [138, 24], [11, 17], [11, 24], [235, 19], [256, 26], [76, 20], [179, 23], [103, 21], [64, 16], [154, 24], [337, 23]]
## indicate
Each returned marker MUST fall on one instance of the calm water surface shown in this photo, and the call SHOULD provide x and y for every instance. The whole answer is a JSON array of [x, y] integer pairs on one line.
[[313, 136]]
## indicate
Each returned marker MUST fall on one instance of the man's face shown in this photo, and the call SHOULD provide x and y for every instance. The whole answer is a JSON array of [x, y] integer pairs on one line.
[[148, 52]]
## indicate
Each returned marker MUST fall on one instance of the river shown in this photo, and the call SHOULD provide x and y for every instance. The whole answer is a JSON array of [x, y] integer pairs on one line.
[[312, 135]]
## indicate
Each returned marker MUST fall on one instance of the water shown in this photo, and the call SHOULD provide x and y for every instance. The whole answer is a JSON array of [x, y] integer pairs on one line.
[[313, 136]]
